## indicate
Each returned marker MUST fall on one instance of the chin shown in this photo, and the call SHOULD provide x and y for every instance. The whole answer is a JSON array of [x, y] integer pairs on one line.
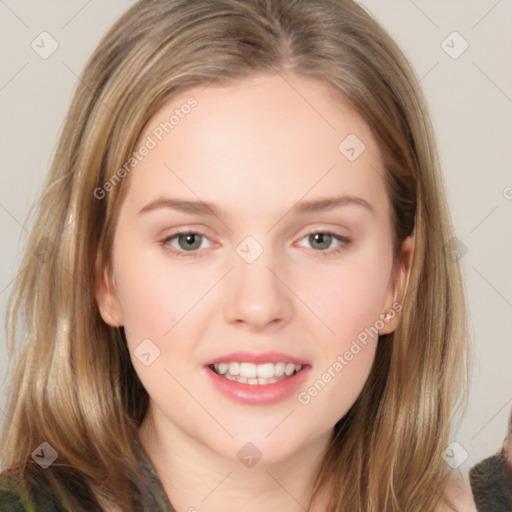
[[264, 446]]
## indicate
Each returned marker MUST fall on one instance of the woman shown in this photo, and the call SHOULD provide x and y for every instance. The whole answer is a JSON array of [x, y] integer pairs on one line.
[[253, 370]]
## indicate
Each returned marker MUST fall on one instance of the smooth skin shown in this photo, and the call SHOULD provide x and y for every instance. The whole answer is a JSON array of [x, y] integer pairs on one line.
[[254, 148]]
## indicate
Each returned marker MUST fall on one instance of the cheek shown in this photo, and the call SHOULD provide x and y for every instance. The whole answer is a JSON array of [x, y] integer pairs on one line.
[[154, 296], [349, 297], [334, 389], [157, 303], [345, 351], [348, 304]]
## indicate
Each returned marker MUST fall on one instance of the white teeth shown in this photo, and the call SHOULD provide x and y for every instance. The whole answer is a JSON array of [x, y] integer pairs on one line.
[[279, 369], [289, 369], [223, 368], [266, 370], [250, 373], [247, 370], [234, 368]]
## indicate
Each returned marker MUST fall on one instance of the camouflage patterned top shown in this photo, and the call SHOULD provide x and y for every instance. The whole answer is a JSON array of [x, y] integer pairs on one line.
[[153, 496]]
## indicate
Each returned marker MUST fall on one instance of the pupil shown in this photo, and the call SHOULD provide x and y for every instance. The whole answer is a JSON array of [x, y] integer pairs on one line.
[[190, 240], [321, 236]]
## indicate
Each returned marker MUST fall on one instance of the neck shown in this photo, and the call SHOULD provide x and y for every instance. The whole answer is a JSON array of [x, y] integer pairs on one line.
[[195, 478]]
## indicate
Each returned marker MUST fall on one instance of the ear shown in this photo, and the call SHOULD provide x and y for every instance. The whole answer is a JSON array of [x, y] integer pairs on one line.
[[394, 298], [105, 294]]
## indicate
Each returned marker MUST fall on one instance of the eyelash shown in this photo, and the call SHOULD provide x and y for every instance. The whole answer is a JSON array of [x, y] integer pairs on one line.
[[345, 242]]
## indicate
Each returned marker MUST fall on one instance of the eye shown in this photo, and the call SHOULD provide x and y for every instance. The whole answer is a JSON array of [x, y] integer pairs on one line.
[[323, 240], [188, 242]]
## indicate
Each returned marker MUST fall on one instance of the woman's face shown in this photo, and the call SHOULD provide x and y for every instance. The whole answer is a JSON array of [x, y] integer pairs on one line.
[[253, 292]]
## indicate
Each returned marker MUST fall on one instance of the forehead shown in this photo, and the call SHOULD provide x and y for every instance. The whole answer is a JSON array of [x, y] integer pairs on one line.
[[267, 139]]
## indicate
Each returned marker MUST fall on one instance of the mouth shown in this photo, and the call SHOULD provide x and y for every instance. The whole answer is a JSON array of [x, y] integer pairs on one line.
[[256, 374], [262, 378]]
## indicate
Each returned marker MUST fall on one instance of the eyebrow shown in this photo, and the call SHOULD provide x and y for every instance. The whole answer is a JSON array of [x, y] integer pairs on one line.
[[302, 207]]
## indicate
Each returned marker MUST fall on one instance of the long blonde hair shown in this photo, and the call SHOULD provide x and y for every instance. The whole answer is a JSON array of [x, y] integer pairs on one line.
[[73, 384]]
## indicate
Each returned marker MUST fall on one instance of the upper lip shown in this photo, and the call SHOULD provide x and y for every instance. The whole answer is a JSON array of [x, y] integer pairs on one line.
[[257, 358]]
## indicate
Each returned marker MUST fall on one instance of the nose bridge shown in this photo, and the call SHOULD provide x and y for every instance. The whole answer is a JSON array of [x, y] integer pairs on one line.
[[256, 296]]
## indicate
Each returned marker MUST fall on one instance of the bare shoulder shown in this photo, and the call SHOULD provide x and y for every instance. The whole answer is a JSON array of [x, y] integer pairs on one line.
[[458, 492]]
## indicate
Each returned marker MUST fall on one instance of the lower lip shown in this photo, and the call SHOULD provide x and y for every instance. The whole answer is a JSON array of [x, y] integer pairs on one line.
[[258, 394]]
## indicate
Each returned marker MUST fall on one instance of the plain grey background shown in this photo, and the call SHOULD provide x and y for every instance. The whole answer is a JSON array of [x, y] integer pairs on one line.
[[469, 92]]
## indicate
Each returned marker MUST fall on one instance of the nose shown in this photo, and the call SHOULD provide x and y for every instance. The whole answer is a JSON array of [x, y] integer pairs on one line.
[[257, 293]]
